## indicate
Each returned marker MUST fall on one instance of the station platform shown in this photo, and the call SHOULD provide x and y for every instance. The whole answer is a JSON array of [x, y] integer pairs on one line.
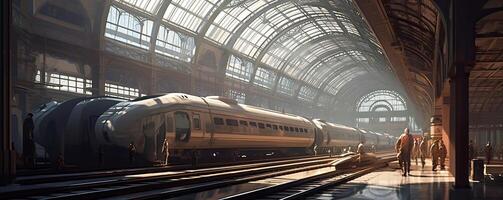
[[388, 183]]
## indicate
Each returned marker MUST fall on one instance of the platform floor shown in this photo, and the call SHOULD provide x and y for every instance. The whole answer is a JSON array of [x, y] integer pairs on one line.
[[388, 183]]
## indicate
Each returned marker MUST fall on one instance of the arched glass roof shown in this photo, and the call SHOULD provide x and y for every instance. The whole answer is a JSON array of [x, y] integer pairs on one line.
[[307, 49]]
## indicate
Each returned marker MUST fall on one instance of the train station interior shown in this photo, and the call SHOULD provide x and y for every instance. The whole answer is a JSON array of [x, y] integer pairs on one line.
[[131, 98]]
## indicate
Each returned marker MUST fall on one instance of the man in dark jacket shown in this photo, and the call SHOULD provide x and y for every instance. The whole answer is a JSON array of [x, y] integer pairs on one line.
[[443, 154], [435, 153], [488, 150], [405, 149], [423, 150], [28, 142]]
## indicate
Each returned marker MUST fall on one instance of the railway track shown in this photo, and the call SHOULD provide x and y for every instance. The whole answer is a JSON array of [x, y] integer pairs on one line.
[[137, 183], [311, 186], [51, 178]]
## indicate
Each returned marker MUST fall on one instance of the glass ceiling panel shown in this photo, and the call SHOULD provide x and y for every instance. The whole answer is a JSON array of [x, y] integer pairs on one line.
[[321, 69], [230, 18], [150, 6], [278, 53], [286, 86], [307, 93], [340, 80], [264, 78], [299, 64], [190, 14], [350, 27], [270, 23]]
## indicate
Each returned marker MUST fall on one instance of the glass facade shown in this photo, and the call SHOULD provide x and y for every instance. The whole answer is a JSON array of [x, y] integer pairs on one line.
[[294, 42]]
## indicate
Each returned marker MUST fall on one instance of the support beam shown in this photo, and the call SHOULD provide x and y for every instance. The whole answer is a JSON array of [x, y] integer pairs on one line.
[[7, 164], [462, 32]]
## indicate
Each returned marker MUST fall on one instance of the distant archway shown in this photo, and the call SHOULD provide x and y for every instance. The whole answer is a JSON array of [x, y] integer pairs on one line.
[[384, 111]]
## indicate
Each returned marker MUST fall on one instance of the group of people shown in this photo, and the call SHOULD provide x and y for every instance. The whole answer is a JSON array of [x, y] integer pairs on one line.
[[487, 150], [408, 148]]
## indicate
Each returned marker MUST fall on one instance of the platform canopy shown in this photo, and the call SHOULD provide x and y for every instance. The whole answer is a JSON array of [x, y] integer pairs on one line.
[[306, 49]]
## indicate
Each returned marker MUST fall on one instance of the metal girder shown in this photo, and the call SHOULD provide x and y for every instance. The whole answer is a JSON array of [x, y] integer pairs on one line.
[[491, 35]]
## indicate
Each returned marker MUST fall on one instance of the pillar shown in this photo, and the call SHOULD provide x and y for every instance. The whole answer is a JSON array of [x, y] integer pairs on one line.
[[7, 159], [462, 49]]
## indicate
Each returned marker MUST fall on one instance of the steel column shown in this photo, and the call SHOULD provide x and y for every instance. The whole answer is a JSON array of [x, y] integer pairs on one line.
[[462, 32], [7, 164]]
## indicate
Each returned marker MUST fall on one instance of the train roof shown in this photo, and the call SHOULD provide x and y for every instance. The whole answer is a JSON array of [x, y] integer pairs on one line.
[[215, 103]]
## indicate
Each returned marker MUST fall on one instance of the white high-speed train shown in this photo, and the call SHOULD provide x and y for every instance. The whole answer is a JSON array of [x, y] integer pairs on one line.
[[218, 126]]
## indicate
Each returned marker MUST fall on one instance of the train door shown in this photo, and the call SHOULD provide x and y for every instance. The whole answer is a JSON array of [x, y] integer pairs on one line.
[[152, 126]]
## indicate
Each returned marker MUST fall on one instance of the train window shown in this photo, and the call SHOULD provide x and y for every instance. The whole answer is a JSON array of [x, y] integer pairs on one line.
[[305, 130], [182, 126], [268, 125], [253, 124], [196, 120], [243, 123], [218, 121], [296, 129], [301, 130], [291, 129], [231, 122], [275, 127], [261, 125], [280, 127]]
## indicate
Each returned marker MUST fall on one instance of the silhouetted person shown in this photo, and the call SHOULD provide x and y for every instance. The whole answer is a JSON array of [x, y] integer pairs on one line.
[[360, 152], [501, 153], [165, 150], [132, 152], [398, 155], [415, 151], [443, 154], [471, 150], [488, 150], [405, 147], [423, 150], [28, 141], [435, 153], [60, 162]]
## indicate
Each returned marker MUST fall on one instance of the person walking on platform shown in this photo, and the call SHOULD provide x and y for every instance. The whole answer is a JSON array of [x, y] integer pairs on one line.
[[435, 151], [165, 150], [398, 156], [132, 152], [360, 152], [415, 150], [28, 142], [443, 154], [405, 149], [488, 150], [423, 150], [471, 150]]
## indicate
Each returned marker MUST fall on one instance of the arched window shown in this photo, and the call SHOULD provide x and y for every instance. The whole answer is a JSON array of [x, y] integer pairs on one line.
[[384, 111], [130, 29]]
